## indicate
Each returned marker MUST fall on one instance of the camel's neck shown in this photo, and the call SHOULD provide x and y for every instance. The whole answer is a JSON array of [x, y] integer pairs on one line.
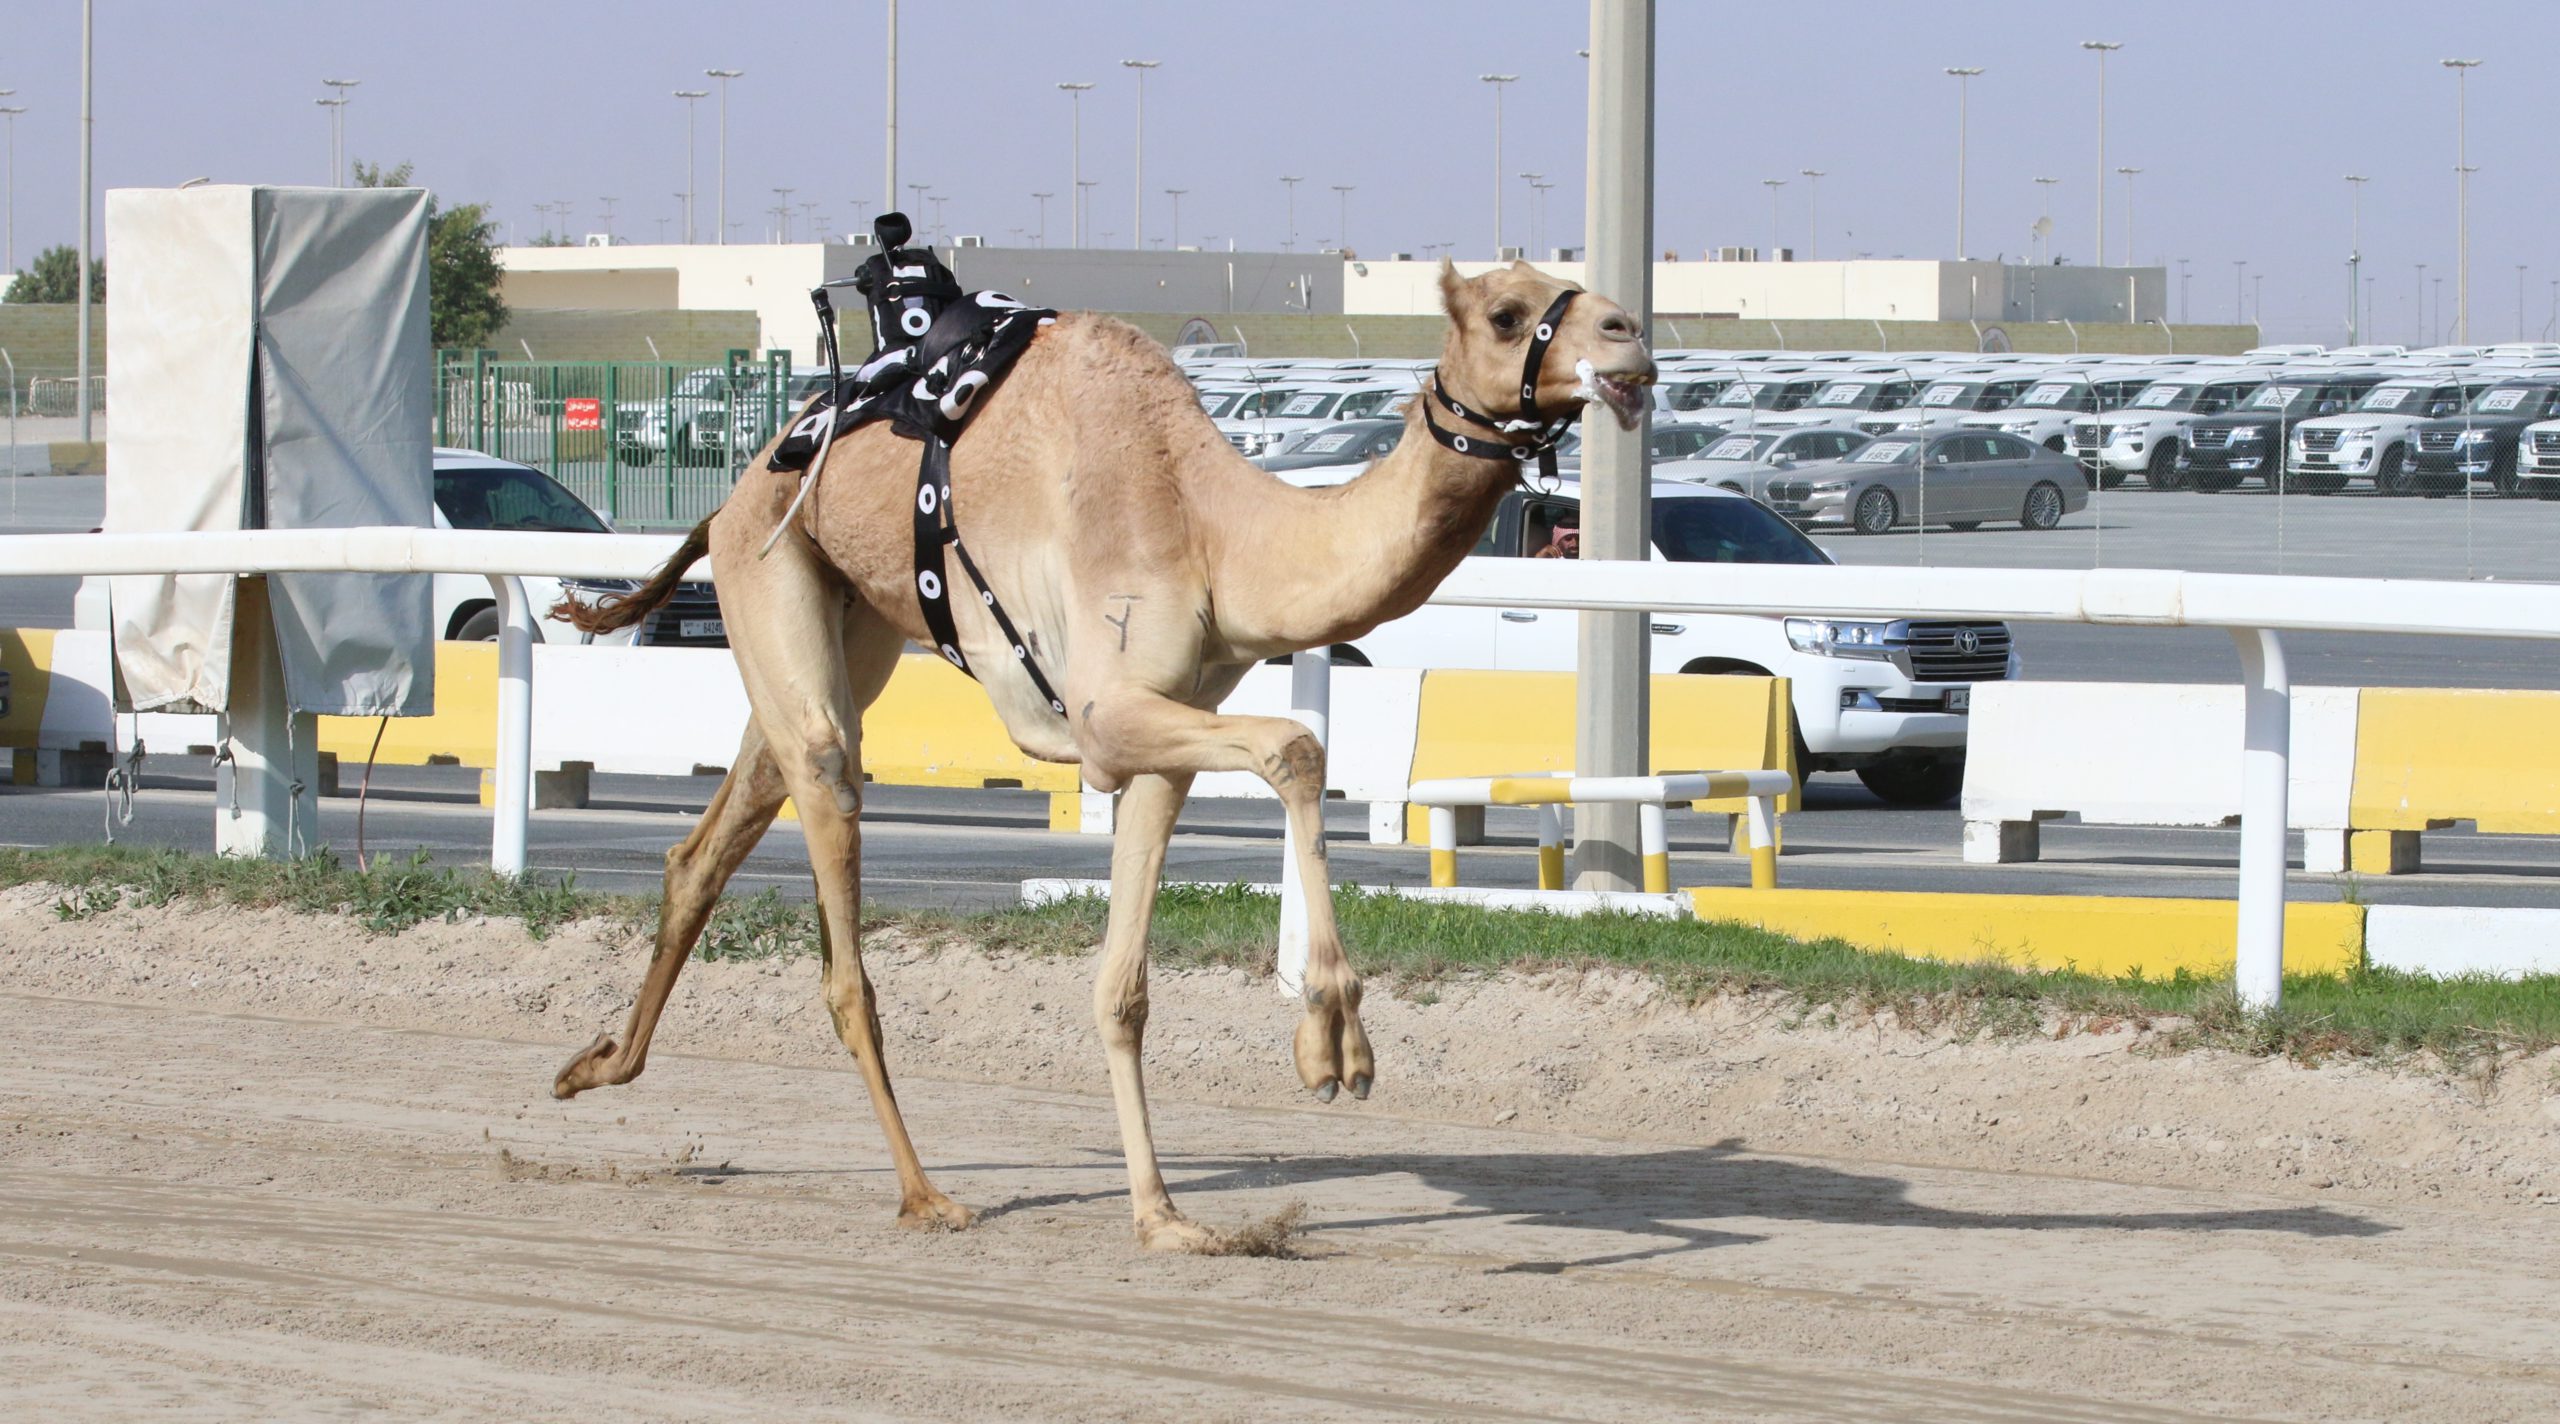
[[1306, 568]]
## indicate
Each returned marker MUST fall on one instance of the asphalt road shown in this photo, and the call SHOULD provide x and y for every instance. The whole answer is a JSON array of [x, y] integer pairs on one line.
[[932, 848], [960, 848]]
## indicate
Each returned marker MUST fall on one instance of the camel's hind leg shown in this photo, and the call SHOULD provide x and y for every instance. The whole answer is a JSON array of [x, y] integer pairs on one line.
[[813, 657], [699, 865]]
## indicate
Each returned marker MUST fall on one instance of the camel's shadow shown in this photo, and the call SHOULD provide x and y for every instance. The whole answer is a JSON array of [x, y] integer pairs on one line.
[[1673, 1195]]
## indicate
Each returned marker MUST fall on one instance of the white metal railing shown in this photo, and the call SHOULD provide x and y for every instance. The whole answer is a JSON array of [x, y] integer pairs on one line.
[[2254, 608]]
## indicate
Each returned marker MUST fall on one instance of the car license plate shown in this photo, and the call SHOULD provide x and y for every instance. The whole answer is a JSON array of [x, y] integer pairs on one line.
[[1959, 699], [702, 628]]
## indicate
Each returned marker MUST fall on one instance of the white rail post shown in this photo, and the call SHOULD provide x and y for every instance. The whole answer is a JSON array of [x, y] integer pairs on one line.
[[266, 782], [2265, 783], [515, 726], [1311, 704]]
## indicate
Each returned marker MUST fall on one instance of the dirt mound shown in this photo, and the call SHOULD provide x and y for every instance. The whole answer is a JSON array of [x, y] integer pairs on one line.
[[1597, 1053]]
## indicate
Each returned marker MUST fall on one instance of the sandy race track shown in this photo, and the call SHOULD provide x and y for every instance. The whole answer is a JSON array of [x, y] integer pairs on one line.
[[253, 1166]]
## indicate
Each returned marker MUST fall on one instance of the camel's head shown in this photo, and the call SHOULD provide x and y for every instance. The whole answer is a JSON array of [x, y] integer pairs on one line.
[[1595, 351]]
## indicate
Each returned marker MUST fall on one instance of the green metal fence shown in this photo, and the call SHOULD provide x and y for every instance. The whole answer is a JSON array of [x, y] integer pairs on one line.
[[647, 443]]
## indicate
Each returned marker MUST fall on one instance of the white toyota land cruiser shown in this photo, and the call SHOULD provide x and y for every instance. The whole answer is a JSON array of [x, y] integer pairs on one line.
[[1884, 698]]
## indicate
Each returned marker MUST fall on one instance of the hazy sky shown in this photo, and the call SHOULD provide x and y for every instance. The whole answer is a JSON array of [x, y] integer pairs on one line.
[[2243, 118]]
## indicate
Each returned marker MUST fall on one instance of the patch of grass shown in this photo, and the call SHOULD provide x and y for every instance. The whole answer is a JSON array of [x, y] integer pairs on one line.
[[2470, 1024]]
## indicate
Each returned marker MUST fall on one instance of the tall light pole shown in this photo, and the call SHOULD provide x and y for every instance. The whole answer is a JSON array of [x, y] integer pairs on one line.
[[889, 167], [1812, 212], [608, 216], [689, 95], [2239, 290], [333, 106], [2438, 284], [1084, 199], [2519, 301], [1538, 210], [1535, 237], [724, 76], [2183, 274], [1964, 104], [782, 227], [88, 198], [1342, 220], [2046, 215], [1773, 185], [915, 210], [2128, 214], [338, 129], [2103, 49], [1075, 162], [2462, 172], [1291, 182], [2355, 254], [11, 116], [2421, 339], [1498, 81], [941, 229], [1044, 216], [1138, 199], [1176, 195]]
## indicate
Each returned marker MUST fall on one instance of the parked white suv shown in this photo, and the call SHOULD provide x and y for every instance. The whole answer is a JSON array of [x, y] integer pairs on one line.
[[2372, 441], [2044, 414], [1885, 698], [2144, 438], [1946, 401], [1843, 399]]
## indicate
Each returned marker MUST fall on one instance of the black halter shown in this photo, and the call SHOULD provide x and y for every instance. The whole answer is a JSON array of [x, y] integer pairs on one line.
[[1530, 435]]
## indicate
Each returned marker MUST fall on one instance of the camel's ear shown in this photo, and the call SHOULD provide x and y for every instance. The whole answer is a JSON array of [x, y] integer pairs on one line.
[[1454, 292]]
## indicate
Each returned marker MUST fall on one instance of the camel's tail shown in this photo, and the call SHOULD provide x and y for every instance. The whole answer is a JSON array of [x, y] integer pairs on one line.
[[621, 610]]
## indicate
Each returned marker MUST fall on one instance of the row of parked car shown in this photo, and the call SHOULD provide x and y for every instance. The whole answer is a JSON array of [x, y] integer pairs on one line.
[[2295, 418]]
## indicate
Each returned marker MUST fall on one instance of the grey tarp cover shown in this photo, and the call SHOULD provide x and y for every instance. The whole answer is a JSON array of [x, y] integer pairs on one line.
[[271, 369]]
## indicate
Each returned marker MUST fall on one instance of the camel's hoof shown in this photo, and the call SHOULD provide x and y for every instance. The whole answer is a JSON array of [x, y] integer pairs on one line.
[[935, 1213], [1360, 1086], [1173, 1232], [578, 1074], [1326, 1089]]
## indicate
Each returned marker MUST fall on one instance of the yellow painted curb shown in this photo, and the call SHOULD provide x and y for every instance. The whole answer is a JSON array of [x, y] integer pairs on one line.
[[1476, 723], [463, 731], [2094, 934], [77, 457], [1066, 810]]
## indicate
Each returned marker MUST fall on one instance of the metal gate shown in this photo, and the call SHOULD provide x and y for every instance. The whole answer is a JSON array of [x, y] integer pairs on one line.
[[649, 444]]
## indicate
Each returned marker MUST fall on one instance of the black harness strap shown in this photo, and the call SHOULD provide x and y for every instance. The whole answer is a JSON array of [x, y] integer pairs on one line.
[[933, 529], [1524, 437]]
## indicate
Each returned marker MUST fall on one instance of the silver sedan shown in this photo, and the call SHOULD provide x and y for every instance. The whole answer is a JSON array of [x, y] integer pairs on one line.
[[1962, 480]]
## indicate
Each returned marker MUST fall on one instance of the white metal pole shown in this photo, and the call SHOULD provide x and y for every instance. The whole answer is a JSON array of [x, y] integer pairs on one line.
[[1612, 716], [1499, 83], [2103, 49], [724, 76], [515, 726], [689, 96], [890, 183], [1964, 104], [1138, 200], [88, 198], [2462, 196], [1311, 705], [2265, 784], [10, 116], [1813, 215]]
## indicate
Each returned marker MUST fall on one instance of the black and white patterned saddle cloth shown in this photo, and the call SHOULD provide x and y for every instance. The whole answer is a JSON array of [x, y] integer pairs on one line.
[[965, 354]]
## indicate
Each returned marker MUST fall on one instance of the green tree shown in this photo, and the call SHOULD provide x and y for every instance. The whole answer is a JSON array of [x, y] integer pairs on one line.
[[463, 305], [55, 275]]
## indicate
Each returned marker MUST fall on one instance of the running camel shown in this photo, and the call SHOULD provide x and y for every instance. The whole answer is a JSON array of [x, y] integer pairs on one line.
[[1147, 567]]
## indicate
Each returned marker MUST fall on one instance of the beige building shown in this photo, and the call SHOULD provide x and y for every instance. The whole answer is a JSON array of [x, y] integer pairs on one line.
[[773, 280], [1824, 291]]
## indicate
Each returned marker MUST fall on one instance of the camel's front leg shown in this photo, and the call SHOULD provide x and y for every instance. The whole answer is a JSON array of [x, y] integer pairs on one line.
[[1147, 812], [1133, 731]]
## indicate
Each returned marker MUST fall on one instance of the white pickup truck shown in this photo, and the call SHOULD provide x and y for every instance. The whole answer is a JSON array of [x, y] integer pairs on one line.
[[1884, 698]]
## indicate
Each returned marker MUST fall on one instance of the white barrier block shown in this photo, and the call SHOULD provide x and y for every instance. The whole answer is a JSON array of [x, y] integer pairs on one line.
[[2452, 939], [1369, 754], [636, 711], [2138, 754]]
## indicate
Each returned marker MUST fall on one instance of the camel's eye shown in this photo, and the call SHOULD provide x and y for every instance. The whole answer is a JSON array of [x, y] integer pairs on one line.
[[1506, 321]]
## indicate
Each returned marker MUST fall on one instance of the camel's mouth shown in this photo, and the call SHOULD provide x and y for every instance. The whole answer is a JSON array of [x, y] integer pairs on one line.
[[1623, 395]]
